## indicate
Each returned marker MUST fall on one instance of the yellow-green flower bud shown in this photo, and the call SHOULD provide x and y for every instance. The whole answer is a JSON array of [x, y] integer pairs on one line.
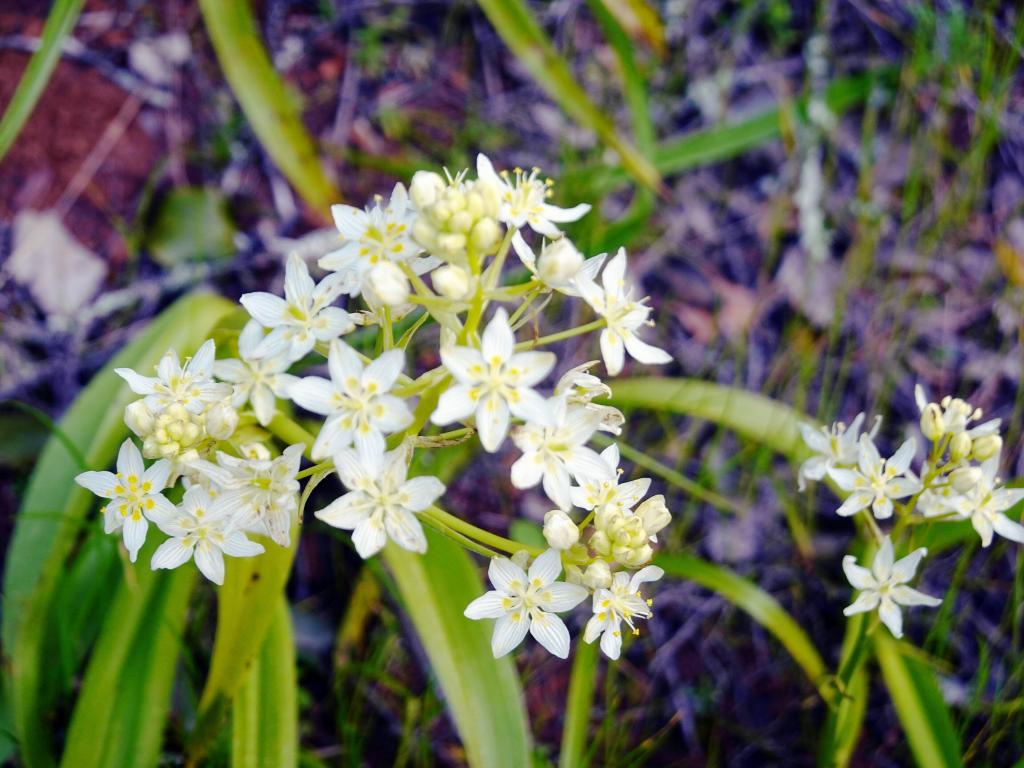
[[598, 575], [932, 424], [654, 514], [451, 281], [965, 478], [139, 418], [986, 446], [960, 446]]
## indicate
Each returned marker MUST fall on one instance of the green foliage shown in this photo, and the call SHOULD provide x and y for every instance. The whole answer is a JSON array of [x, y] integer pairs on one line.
[[271, 108], [53, 513], [59, 23], [191, 223]]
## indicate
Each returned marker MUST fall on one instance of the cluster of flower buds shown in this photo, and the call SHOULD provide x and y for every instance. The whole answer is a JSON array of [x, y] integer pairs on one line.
[[956, 481], [436, 253]]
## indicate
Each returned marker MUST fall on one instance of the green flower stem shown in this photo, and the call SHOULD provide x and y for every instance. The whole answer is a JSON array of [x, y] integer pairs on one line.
[[291, 432], [458, 538], [579, 702], [527, 303], [478, 534], [561, 335], [323, 466]]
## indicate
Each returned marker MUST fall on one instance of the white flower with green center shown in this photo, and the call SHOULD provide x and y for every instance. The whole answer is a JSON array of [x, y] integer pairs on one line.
[[527, 602], [356, 400], [256, 380], [134, 493], [833, 447], [885, 586], [558, 453], [494, 382], [605, 495], [985, 505], [205, 529], [262, 494], [303, 317], [373, 236], [621, 602], [613, 300], [191, 386], [877, 482], [381, 501], [524, 199]]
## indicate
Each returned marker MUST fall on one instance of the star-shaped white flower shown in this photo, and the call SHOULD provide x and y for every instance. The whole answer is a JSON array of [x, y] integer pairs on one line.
[[613, 300], [527, 602], [494, 382], [262, 494], [205, 529], [877, 482], [381, 502], [582, 387], [605, 494], [986, 504], [356, 400], [377, 234], [256, 380], [833, 447], [885, 586], [191, 386], [955, 415], [554, 454], [524, 199], [134, 493], [559, 264], [621, 602], [303, 317]]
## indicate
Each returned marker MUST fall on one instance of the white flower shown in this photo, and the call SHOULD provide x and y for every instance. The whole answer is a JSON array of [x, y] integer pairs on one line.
[[387, 284], [953, 416], [582, 387], [614, 302], [835, 447], [986, 503], [524, 602], [191, 386], [604, 493], [559, 530], [620, 602], [374, 236], [303, 317], [559, 264], [877, 481], [524, 199], [205, 529], [356, 401], [452, 281], [134, 494], [256, 380], [493, 382], [885, 586], [381, 502], [556, 453], [263, 494]]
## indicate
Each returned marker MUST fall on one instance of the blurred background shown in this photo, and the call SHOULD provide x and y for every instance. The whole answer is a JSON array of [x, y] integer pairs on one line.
[[824, 201]]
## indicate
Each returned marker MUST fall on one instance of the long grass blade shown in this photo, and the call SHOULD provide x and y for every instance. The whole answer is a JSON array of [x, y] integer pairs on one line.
[[524, 36], [582, 681], [922, 712], [271, 108], [59, 23]]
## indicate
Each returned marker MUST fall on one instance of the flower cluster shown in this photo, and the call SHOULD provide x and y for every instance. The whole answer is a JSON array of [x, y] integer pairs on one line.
[[956, 482], [435, 254]]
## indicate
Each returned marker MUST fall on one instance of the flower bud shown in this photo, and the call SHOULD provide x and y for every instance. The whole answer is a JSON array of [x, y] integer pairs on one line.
[[986, 446], [486, 234], [559, 530], [960, 446], [139, 418], [559, 262], [932, 425], [256, 451], [221, 422], [451, 281], [598, 575], [389, 284], [965, 478], [654, 514], [425, 188]]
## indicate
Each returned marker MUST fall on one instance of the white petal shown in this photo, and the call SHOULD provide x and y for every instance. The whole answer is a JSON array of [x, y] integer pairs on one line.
[[264, 404], [645, 353], [266, 308], [984, 528], [557, 487], [564, 597], [531, 407], [506, 576], [210, 561], [487, 606], [858, 576], [900, 460], [855, 503], [881, 567], [237, 545], [891, 616], [422, 492], [465, 365], [201, 364], [903, 570], [455, 404], [298, 285], [550, 631], [563, 215], [314, 394], [497, 341], [611, 642], [527, 369], [492, 417], [866, 601], [508, 633], [345, 512], [405, 530], [816, 440], [612, 351], [345, 366], [369, 537], [905, 595], [100, 483], [527, 470], [1007, 528], [171, 554], [546, 567], [135, 535], [140, 385], [385, 369], [882, 508], [129, 461]]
